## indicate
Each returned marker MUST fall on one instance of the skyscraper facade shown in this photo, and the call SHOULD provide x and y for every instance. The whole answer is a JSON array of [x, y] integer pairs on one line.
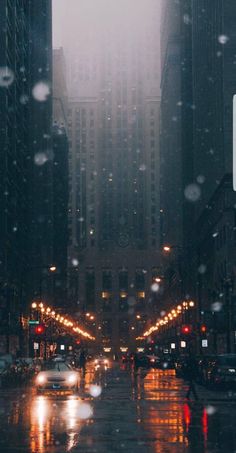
[[60, 177], [114, 156], [196, 147], [23, 62]]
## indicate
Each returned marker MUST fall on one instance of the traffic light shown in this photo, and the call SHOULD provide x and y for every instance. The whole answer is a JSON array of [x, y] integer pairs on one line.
[[186, 329], [203, 329], [39, 330]]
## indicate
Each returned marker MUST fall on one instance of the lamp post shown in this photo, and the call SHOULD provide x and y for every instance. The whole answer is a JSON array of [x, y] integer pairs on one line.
[[51, 269], [167, 249], [227, 284]]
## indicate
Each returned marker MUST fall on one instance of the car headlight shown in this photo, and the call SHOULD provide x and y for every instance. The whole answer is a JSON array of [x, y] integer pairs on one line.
[[40, 379], [72, 379], [105, 362], [96, 361]]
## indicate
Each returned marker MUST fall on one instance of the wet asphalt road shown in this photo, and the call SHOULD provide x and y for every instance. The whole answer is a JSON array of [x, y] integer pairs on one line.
[[144, 413]]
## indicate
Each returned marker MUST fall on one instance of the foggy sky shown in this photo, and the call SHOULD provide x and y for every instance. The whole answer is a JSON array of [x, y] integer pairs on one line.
[[72, 17]]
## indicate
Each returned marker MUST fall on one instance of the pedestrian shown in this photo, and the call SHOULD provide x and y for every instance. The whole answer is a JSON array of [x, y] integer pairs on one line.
[[190, 374], [136, 361], [82, 360]]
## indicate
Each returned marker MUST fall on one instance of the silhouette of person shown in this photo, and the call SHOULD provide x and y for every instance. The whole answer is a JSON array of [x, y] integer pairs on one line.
[[190, 374]]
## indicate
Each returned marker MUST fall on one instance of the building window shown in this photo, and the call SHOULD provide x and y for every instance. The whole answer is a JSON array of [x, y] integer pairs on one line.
[[139, 280], [123, 280], [106, 280]]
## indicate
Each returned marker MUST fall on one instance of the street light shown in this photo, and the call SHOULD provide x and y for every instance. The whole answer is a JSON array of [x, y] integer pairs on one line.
[[167, 248], [52, 268]]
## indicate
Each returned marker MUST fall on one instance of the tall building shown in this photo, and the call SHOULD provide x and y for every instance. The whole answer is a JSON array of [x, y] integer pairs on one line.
[[176, 148], [24, 34], [60, 177], [41, 169], [213, 90], [114, 207], [198, 73]]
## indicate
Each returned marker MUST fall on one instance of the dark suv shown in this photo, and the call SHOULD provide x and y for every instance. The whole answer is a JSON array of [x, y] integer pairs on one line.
[[222, 370]]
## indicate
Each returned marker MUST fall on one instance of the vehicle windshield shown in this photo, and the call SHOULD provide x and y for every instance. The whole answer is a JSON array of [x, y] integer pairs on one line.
[[56, 366]]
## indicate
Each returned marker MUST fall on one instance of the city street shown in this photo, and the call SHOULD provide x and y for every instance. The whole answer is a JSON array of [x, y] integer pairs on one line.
[[143, 412]]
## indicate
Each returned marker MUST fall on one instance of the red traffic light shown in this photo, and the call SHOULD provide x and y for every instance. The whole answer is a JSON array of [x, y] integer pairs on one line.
[[186, 329], [203, 328], [39, 330]]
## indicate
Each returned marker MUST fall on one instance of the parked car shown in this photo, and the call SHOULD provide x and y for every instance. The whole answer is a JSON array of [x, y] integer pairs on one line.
[[221, 370], [4, 370], [57, 375], [167, 362], [180, 364], [202, 366], [153, 361]]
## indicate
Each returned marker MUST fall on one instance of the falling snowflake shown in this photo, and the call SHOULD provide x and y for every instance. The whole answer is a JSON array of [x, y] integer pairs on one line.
[[95, 390], [142, 167], [40, 158], [6, 76], [192, 192], [186, 19], [41, 91], [201, 179], [155, 287], [210, 410], [24, 99], [223, 39], [202, 269], [216, 306], [84, 411]]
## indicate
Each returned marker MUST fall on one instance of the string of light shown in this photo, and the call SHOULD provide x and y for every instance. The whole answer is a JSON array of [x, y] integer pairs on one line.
[[173, 314], [65, 321]]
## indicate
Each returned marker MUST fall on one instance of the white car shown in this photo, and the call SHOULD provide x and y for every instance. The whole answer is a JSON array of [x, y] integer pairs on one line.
[[57, 375]]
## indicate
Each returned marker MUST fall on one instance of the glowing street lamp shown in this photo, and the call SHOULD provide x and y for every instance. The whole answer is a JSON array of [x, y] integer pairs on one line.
[[166, 248], [52, 268]]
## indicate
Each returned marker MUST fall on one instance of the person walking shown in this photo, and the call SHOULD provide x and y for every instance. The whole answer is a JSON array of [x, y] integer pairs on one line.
[[190, 374], [82, 360]]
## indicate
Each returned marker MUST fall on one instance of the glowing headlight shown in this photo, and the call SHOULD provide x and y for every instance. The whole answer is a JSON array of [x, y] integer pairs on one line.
[[105, 362], [40, 379], [96, 361], [72, 379]]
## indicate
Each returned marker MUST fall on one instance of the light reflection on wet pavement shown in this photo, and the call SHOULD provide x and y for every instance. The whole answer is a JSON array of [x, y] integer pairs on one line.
[[143, 412]]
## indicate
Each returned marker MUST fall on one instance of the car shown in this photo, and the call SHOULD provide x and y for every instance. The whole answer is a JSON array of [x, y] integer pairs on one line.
[[102, 361], [57, 375], [3, 371], [180, 364], [153, 361], [202, 367], [221, 370], [167, 362]]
